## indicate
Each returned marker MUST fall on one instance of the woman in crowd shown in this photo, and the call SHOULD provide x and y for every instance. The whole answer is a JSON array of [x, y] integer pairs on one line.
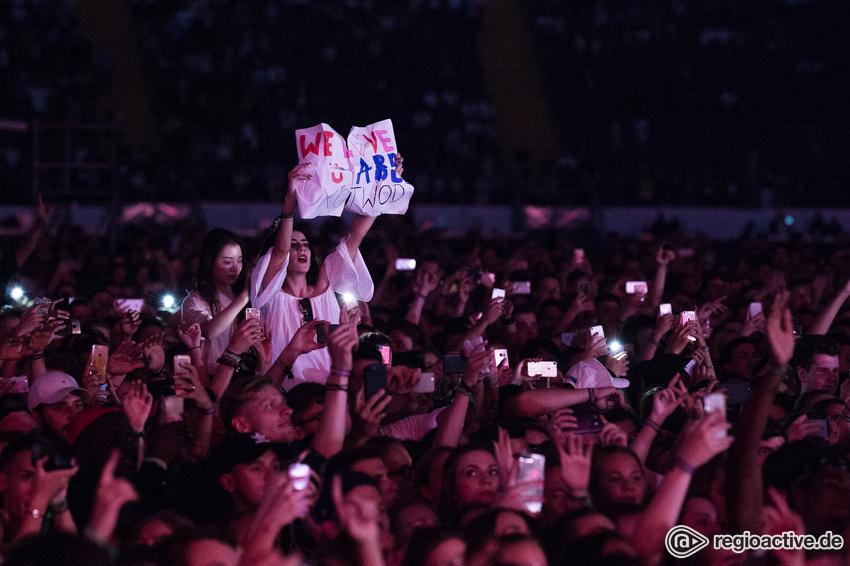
[[291, 288], [220, 295]]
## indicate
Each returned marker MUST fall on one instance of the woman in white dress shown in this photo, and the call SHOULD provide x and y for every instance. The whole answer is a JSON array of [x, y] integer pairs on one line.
[[221, 294], [290, 288]]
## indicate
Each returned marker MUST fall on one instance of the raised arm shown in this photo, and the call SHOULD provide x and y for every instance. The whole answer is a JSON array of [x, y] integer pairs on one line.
[[822, 322], [360, 226], [744, 486], [663, 257], [539, 402], [283, 241], [25, 250], [331, 433], [705, 440]]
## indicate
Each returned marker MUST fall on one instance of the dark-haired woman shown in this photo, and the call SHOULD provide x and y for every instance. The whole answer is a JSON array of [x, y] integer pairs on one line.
[[290, 288], [221, 294]]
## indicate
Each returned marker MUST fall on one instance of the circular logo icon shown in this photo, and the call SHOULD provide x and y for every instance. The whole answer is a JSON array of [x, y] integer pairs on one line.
[[682, 541]]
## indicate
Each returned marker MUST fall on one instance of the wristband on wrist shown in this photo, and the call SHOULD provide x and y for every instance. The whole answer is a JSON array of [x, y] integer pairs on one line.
[[193, 348], [38, 356], [209, 411], [228, 362], [653, 425], [287, 214], [591, 395], [287, 371], [684, 466], [657, 344], [231, 355], [336, 387]]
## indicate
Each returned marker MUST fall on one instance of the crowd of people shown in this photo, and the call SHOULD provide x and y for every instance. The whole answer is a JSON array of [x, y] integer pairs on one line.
[[322, 399]]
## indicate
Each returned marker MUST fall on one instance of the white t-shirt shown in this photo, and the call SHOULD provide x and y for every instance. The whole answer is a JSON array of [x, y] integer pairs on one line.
[[283, 317]]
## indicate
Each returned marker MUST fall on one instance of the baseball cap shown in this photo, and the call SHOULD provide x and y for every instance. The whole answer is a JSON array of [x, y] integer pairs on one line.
[[591, 373], [51, 387], [84, 418], [242, 448]]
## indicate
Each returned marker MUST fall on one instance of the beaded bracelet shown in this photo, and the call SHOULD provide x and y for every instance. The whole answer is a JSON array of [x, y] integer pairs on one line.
[[228, 362]]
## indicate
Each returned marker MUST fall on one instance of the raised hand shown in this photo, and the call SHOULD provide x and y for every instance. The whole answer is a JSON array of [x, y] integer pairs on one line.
[[478, 365], [154, 351], [358, 515], [801, 427], [402, 379], [341, 345], [618, 363], [665, 401], [493, 311], [30, 320], [125, 358], [111, 495], [263, 348], [779, 329], [40, 337], [608, 398], [137, 403], [596, 347], [371, 411], [664, 257], [779, 519], [190, 335], [187, 384], [707, 309], [754, 324], [612, 435], [575, 457], [298, 175], [247, 334], [12, 348], [505, 459], [561, 424], [129, 322], [304, 339], [425, 283], [705, 440], [663, 325]]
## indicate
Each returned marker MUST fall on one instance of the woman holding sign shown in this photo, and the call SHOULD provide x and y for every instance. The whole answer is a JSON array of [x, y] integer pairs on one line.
[[291, 289]]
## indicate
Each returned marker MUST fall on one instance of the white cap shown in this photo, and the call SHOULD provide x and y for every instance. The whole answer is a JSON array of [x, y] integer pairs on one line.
[[51, 387], [591, 373]]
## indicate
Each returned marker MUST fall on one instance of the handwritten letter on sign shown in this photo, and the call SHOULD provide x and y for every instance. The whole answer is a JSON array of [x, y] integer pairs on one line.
[[357, 175]]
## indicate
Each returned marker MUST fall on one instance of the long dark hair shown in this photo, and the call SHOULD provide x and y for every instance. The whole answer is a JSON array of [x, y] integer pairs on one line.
[[214, 242], [315, 262], [447, 506]]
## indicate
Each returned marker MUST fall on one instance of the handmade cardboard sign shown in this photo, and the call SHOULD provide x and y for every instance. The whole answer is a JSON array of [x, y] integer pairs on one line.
[[356, 174]]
